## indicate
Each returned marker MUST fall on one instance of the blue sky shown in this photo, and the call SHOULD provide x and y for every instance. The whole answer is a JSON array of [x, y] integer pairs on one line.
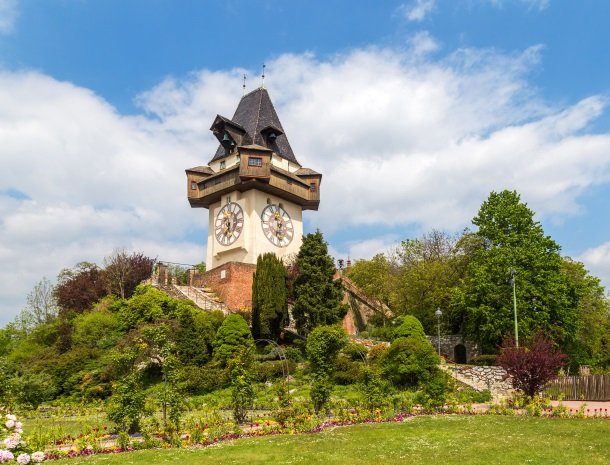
[[413, 110]]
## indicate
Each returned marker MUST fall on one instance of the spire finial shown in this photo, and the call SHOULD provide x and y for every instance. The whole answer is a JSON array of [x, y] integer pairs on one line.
[[263, 76], [244, 86]]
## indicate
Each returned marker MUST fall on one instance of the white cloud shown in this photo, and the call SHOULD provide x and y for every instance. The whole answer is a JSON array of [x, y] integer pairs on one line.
[[8, 15], [597, 261], [402, 141], [417, 9]]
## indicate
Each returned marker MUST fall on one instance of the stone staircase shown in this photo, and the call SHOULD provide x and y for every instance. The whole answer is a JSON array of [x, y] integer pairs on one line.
[[203, 298]]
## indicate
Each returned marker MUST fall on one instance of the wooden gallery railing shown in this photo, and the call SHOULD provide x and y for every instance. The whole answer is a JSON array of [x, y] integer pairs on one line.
[[594, 387]]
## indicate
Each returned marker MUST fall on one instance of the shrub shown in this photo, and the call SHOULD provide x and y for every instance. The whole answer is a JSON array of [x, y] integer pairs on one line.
[[232, 337], [410, 361], [270, 370], [294, 354], [484, 360], [323, 345], [347, 371], [356, 352], [406, 326], [374, 389], [533, 365], [242, 390], [201, 380]]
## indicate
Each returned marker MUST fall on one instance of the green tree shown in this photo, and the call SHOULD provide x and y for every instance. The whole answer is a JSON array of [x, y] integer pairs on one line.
[[591, 344], [512, 239], [323, 345], [429, 268], [317, 295], [269, 304], [232, 337]]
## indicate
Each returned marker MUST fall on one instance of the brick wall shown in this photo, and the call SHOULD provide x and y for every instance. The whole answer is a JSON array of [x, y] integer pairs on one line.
[[232, 282]]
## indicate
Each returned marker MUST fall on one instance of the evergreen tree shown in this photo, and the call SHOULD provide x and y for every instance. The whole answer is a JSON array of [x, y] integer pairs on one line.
[[317, 295], [510, 238], [269, 305], [232, 337]]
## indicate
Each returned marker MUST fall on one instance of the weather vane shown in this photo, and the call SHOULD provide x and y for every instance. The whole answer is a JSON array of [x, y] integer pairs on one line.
[[263, 76], [244, 86]]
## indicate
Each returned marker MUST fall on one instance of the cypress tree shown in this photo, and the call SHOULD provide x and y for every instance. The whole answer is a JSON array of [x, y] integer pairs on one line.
[[269, 299], [317, 295]]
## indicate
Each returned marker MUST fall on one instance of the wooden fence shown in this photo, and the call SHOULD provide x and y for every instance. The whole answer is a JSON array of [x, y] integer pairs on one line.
[[594, 387]]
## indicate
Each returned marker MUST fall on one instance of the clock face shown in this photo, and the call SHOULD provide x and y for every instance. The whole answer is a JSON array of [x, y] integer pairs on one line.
[[229, 223], [277, 225]]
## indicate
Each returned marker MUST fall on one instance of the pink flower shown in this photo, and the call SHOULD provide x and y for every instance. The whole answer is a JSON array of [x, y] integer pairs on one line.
[[12, 441], [6, 456], [23, 459], [11, 417], [9, 424]]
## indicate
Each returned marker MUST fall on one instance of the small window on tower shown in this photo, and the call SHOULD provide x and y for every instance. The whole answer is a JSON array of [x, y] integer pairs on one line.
[[193, 185], [255, 161], [313, 187], [223, 165]]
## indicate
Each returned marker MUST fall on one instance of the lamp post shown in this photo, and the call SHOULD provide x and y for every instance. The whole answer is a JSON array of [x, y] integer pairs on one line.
[[438, 314], [512, 281]]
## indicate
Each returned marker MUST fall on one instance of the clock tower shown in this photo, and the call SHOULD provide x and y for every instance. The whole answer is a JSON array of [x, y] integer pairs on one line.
[[254, 188]]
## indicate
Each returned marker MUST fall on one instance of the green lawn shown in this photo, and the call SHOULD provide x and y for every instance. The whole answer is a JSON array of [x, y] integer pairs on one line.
[[463, 440]]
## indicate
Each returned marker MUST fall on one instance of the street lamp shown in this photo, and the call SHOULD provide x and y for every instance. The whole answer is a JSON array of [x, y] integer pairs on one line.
[[512, 281], [438, 314]]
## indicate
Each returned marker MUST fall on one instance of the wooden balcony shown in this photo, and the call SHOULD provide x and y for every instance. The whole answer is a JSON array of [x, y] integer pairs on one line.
[[263, 178]]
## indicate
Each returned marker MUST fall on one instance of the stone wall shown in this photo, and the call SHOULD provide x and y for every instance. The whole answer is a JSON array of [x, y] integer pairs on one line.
[[456, 348], [494, 378]]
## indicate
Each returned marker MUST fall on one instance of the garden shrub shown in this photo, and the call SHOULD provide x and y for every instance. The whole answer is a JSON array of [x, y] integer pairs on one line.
[[242, 389], [355, 351], [484, 360], [374, 389], [347, 371], [198, 380], [294, 354], [231, 338], [273, 369], [406, 326], [323, 345], [410, 361], [128, 403]]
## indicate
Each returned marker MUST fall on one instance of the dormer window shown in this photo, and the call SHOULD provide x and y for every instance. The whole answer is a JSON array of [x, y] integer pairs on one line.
[[255, 161], [271, 134], [223, 164]]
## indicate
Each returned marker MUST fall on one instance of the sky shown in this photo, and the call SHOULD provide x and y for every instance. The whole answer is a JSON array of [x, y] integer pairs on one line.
[[413, 111]]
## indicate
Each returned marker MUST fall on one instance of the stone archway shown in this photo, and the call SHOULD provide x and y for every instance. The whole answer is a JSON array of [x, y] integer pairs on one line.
[[459, 354]]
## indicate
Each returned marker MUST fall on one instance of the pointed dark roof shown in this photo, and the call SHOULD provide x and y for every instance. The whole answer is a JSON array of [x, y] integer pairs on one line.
[[255, 113]]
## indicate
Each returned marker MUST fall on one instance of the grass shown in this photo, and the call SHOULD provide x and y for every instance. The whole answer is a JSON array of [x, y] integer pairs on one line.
[[463, 440]]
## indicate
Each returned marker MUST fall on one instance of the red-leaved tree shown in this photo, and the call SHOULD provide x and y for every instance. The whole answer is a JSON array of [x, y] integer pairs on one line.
[[533, 365]]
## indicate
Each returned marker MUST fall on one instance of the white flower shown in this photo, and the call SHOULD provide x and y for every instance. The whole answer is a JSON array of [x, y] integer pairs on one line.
[[9, 423], [18, 425], [11, 417], [23, 459], [37, 457]]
